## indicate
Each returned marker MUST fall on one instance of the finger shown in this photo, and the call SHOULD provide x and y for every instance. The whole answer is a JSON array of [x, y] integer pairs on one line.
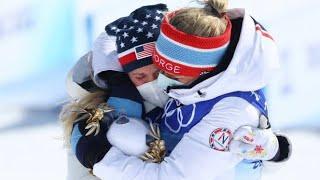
[[241, 131], [240, 147], [264, 122], [261, 136], [245, 134]]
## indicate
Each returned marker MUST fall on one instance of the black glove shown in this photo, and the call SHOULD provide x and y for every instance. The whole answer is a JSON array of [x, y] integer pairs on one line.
[[92, 148]]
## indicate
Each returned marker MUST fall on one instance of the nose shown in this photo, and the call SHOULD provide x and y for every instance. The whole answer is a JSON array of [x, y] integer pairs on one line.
[[156, 74], [151, 76]]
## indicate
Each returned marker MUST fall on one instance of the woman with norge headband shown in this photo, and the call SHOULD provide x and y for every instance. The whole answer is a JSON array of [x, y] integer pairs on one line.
[[173, 130]]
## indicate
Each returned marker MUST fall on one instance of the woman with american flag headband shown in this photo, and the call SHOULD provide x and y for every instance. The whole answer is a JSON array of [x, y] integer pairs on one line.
[[127, 56]]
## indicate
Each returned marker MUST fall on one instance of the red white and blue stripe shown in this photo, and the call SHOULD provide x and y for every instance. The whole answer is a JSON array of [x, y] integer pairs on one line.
[[145, 50], [137, 53], [183, 54]]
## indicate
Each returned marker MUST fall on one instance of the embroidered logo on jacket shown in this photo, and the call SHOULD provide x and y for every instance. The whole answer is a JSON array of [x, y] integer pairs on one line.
[[220, 139], [177, 116]]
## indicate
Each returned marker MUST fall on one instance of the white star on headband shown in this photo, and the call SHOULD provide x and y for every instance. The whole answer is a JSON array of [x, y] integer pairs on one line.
[[125, 34], [159, 12], [157, 18], [154, 26], [139, 30], [134, 39], [149, 35]]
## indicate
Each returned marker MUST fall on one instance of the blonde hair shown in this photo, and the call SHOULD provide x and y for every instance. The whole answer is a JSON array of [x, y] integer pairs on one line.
[[204, 22], [71, 112]]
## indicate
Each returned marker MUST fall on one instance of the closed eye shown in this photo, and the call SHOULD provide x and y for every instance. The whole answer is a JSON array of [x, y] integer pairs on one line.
[[140, 77]]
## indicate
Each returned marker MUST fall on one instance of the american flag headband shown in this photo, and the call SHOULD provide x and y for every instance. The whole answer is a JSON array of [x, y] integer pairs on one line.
[[136, 53]]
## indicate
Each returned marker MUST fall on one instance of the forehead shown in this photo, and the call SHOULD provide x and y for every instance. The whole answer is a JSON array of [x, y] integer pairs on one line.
[[149, 69]]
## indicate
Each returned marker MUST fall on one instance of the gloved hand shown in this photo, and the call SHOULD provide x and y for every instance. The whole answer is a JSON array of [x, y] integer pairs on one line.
[[129, 135], [254, 144], [134, 137]]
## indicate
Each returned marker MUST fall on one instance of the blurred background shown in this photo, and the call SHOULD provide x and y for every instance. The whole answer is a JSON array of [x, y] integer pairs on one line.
[[41, 40]]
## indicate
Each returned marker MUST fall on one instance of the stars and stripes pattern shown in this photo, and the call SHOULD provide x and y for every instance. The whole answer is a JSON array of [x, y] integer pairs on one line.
[[145, 50], [136, 35]]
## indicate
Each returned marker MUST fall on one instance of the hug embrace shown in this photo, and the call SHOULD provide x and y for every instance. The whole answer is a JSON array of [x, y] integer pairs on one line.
[[174, 95]]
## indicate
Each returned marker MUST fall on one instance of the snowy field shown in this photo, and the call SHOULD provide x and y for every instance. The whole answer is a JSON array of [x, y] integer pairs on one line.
[[35, 151], [32, 148]]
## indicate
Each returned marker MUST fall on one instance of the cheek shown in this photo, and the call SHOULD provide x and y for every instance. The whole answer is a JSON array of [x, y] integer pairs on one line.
[[146, 79], [138, 82], [187, 80], [151, 77]]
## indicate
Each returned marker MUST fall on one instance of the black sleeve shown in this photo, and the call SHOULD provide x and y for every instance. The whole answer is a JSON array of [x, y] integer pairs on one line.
[[284, 150]]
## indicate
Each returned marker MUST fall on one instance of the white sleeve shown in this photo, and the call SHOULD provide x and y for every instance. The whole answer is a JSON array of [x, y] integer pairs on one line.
[[79, 73], [104, 57], [192, 158]]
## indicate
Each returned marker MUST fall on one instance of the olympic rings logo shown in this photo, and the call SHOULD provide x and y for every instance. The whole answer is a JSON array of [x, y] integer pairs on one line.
[[169, 119]]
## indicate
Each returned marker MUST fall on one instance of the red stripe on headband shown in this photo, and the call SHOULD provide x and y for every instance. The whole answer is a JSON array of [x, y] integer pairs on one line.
[[176, 68], [192, 40], [126, 59]]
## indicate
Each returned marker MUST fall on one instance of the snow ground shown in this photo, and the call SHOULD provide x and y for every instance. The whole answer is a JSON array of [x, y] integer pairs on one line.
[[36, 152], [31, 148]]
